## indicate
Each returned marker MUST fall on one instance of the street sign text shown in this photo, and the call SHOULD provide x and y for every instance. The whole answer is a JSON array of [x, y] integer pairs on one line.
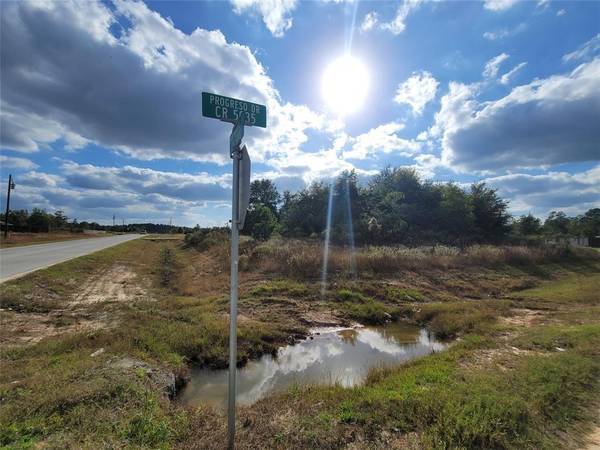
[[230, 109]]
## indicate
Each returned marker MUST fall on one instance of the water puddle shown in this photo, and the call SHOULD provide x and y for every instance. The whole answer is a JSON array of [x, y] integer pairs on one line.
[[333, 356]]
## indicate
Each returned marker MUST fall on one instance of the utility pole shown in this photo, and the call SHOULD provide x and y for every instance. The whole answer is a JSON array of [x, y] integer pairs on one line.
[[113, 222], [123, 225], [11, 186]]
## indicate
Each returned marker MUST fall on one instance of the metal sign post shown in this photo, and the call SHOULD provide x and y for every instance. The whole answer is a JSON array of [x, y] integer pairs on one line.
[[240, 113], [235, 237], [234, 148]]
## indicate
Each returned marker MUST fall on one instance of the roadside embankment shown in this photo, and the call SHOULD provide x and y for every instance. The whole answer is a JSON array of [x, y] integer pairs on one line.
[[94, 345]]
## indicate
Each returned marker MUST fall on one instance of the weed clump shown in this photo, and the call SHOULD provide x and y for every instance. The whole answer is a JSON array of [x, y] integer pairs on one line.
[[167, 267], [299, 258], [447, 320], [205, 239]]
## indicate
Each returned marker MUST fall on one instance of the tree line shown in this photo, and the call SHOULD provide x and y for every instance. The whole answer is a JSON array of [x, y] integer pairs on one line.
[[41, 221], [397, 206]]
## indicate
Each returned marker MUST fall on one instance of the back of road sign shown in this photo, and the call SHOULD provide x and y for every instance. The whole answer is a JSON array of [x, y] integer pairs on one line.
[[231, 109], [235, 138], [244, 186]]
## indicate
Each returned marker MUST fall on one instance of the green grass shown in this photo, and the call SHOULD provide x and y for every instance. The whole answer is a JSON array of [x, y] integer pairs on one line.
[[573, 288], [362, 308], [451, 406], [449, 320], [404, 295], [56, 394]]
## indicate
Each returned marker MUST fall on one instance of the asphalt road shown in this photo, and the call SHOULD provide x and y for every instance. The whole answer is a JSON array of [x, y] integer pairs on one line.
[[17, 261]]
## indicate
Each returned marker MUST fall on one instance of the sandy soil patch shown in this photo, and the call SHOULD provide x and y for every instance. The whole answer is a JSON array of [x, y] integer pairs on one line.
[[117, 284], [524, 317], [30, 328], [594, 437]]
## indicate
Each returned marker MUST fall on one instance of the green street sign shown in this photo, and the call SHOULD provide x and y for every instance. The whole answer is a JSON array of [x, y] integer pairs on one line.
[[230, 109]]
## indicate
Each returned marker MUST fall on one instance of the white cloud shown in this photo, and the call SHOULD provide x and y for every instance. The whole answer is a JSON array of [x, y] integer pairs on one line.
[[39, 179], [91, 192], [456, 108], [499, 5], [370, 21], [504, 32], [137, 91], [140, 93], [507, 77], [25, 131], [573, 193], [194, 188], [585, 51], [381, 139], [417, 91], [16, 163], [543, 4], [275, 13], [548, 121], [493, 65], [561, 12], [398, 24], [426, 164]]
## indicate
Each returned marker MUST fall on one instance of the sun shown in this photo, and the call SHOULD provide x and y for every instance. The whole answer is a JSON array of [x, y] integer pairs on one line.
[[345, 85]]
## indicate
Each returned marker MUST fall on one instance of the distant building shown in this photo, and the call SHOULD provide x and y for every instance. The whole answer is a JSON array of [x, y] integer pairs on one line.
[[576, 241]]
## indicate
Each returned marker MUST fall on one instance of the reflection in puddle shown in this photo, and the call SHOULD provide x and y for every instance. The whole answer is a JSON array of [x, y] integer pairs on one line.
[[338, 356]]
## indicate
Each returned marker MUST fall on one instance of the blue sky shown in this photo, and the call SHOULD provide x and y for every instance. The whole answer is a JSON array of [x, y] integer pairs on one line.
[[101, 108]]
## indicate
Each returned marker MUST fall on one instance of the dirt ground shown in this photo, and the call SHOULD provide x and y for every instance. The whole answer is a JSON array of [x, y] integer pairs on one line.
[[83, 311], [117, 284], [293, 306], [594, 437]]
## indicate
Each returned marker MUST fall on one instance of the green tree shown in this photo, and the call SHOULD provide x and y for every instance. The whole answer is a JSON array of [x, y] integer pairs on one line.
[[589, 223], [347, 204], [528, 225], [18, 219], [59, 220], [456, 220], [39, 221], [261, 222], [305, 212], [265, 193], [557, 222], [491, 213], [404, 207], [261, 218]]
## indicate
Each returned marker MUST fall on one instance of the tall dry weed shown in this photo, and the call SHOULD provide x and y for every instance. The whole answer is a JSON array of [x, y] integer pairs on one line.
[[305, 258]]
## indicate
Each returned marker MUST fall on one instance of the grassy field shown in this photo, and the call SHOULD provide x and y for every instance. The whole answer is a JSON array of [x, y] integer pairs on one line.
[[18, 239], [94, 349]]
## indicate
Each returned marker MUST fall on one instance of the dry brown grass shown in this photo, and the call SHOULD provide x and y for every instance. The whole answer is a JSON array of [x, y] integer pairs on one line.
[[302, 258], [16, 239]]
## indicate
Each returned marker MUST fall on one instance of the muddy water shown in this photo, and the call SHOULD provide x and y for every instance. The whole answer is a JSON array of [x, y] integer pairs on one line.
[[333, 356]]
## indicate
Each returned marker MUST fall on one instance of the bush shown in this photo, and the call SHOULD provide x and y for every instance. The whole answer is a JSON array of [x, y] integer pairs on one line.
[[207, 238]]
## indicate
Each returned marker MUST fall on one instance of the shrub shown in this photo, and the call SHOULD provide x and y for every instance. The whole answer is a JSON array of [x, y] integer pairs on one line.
[[204, 239]]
